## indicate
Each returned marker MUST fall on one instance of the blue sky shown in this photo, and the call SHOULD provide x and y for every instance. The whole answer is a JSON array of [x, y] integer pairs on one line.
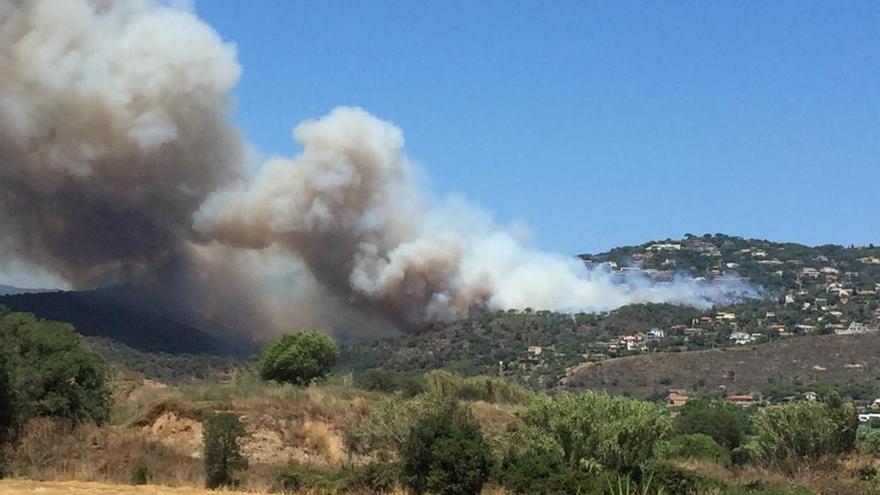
[[597, 123]]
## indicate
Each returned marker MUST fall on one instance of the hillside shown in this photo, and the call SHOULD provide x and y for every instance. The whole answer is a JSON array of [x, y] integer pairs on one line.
[[811, 359], [8, 290], [123, 315]]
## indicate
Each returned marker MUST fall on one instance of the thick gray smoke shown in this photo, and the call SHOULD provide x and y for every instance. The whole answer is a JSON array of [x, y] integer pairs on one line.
[[113, 131], [118, 163]]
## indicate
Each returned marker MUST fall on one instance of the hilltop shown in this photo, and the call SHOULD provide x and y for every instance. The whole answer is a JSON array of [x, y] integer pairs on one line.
[[125, 315], [805, 291]]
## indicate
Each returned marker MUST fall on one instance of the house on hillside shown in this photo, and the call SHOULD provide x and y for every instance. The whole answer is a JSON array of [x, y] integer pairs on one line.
[[740, 338], [856, 328], [676, 399], [744, 400], [655, 334], [632, 342]]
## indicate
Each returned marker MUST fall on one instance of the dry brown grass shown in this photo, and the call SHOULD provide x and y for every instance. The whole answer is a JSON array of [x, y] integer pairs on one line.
[[27, 487]]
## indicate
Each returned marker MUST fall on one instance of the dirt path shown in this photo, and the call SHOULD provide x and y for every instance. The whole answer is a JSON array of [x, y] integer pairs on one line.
[[24, 487]]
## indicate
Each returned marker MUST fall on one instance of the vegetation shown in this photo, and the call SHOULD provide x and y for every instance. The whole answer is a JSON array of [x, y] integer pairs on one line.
[[50, 371], [445, 453], [696, 446], [803, 431], [726, 424], [299, 358], [592, 430], [222, 454]]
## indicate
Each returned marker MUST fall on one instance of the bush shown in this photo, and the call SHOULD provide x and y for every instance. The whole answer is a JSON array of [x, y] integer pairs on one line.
[[389, 382], [805, 430], [442, 383], [540, 470], [222, 453], [51, 372], [868, 441], [696, 446], [445, 453], [593, 429], [140, 475], [7, 414], [299, 358], [383, 429], [727, 424], [376, 477]]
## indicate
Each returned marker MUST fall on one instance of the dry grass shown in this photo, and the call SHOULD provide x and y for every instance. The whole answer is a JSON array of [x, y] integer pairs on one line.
[[26, 487]]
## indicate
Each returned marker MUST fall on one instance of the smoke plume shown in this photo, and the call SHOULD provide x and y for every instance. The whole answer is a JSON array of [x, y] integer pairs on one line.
[[119, 164]]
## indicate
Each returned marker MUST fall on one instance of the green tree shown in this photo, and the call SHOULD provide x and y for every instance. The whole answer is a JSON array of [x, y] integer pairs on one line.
[[445, 452], [51, 372], [222, 454], [299, 358], [595, 430], [7, 413], [696, 446], [805, 430], [727, 424]]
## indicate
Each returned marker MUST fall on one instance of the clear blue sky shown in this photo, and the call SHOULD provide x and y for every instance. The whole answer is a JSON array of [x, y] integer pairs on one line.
[[597, 123]]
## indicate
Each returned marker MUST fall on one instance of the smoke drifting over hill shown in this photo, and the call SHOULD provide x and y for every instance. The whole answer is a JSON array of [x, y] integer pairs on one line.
[[118, 164]]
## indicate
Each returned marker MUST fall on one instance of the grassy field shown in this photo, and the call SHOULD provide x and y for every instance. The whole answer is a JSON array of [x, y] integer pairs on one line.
[[22, 487]]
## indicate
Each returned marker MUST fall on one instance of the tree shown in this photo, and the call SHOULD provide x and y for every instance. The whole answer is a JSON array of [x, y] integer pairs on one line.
[[727, 424], [445, 452], [594, 430], [222, 454], [7, 413], [299, 358], [805, 430], [51, 372]]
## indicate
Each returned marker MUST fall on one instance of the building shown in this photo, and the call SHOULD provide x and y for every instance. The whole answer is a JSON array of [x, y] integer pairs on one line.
[[655, 334], [856, 328], [740, 338], [676, 399], [535, 350], [744, 400]]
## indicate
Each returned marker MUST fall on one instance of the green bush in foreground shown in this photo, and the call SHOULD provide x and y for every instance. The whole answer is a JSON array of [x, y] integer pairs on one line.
[[727, 424], [445, 453], [51, 372], [299, 358], [805, 431], [594, 430], [696, 446], [222, 453]]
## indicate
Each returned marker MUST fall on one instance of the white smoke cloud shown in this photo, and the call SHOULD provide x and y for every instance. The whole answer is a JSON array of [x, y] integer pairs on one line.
[[350, 207], [118, 163]]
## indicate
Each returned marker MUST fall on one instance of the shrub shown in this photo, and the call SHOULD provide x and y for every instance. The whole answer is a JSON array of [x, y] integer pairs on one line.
[[389, 381], [540, 469], [664, 477], [7, 414], [51, 372], [595, 429], [727, 424], [868, 441], [140, 475], [375, 477], [445, 453], [299, 358], [222, 454], [696, 446], [442, 383], [805, 430], [383, 429]]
